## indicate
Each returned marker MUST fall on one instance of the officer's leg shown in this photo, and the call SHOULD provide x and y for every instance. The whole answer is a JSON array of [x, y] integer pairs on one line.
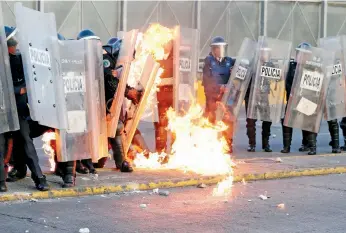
[[3, 187], [265, 136], [89, 165], [305, 143], [343, 127], [18, 161], [287, 138], [69, 173], [250, 130], [139, 141], [312, 140], [118, 150], [31, 156], [334, 134]]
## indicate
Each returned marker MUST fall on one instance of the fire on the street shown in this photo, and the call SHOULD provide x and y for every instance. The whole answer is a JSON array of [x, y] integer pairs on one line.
[[197, 148], [48, 150]]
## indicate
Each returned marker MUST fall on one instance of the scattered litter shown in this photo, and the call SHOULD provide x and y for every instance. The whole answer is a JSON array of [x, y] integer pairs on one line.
[[287, 214], [45, 226], [202, 186], [85, 178], [78, 201], [26, 231], [240, 162], [57, 217], [103, 196], [33, 200], [243, 181], [249, 200], [278, 160], [143, 206], [263, 197], [281, 206], [164, 193], [274, 135], [84, 230], [155, 190]]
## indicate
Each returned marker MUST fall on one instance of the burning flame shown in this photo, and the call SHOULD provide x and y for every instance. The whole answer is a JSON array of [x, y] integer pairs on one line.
[[47, 148], [197, 148]]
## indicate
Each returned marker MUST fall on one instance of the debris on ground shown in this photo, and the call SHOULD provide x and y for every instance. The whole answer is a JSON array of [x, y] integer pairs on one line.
[[84, 230], [164, 193], [249, 200], [26, 231], [278, 160], [281, 206], [263, 197], [202, 186], [143, 206], [85, 178], [243, 181], [33, 200], [155, 190]]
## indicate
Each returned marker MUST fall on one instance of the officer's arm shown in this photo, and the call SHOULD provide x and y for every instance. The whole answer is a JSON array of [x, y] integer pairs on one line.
[[18, 88]]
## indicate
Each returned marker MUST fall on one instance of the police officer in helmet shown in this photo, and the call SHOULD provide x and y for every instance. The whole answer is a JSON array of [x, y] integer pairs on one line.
[[22, 136], [111, 76], [216, 73]]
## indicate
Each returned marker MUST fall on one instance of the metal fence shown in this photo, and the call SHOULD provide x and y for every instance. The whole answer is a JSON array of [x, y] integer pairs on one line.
[[295, 21]]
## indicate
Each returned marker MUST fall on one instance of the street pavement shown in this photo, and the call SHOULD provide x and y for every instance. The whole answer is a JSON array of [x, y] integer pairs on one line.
[[307, 204], [240, 141]]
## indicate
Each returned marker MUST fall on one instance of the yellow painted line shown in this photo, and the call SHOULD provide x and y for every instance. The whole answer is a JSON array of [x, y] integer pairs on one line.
[[87, 191]]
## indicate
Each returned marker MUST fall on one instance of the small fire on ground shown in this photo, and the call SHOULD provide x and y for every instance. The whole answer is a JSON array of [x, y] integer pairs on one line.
[[47, 148]]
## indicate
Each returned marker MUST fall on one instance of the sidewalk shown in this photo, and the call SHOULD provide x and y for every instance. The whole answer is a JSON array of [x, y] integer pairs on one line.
[[110, 181]]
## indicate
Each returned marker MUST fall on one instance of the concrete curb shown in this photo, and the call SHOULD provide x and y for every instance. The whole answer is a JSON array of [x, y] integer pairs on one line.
[[97, 190]]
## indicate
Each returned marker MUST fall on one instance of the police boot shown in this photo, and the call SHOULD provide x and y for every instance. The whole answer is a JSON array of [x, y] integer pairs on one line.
[[70, 174], [40, 183], [251, 133], [287, 139], [58, 171], [312, 143], [344, 147], [16, 174], [265, 144], [89, 165], [80, 168], [305, 144], [334, 134], [3, 187], [126, 167], [118, 150]]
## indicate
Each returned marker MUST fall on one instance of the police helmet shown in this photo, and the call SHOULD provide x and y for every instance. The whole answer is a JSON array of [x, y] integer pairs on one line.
[[304, 45], [218, 42], [87, 34], [61, 37], [112, 40], [10, 32]]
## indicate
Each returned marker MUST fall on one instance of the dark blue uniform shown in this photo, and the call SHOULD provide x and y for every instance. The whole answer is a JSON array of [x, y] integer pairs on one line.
[[215, 74]]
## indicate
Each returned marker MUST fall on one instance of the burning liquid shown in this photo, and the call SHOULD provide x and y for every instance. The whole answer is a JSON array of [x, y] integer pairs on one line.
[[48, 150]]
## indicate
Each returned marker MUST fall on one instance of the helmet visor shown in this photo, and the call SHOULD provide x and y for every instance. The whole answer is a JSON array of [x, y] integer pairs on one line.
[[219, 51]]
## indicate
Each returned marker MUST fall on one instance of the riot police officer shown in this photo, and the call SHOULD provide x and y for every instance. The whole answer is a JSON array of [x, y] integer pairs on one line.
[[111, 76], [216, 73], [22, 136]]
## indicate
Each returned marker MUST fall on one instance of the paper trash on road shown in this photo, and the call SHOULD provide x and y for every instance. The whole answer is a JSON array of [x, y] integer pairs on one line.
[[84, 230]]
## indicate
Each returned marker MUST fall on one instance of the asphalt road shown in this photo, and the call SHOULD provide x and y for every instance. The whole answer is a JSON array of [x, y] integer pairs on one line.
[[311, 204]]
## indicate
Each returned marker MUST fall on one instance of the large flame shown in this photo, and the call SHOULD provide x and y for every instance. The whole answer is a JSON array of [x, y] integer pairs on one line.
[[198, 147], [47, 148]]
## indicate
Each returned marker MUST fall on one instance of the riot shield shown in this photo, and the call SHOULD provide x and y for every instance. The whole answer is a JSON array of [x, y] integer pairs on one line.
[[39, 48], [238, 83], [142, 80], [335, 106], [309, 89], [186, 45], [125, 58], [85, 137], [8, 108], [268, 84]]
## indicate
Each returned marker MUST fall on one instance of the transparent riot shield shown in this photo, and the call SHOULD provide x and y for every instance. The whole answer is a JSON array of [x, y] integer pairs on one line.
[[186, 45], [142, 76], [238, 83], [335, 106], [268, 84], [39, 48], [309, 89], [85, 137], [125, 58], [8, 108]]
